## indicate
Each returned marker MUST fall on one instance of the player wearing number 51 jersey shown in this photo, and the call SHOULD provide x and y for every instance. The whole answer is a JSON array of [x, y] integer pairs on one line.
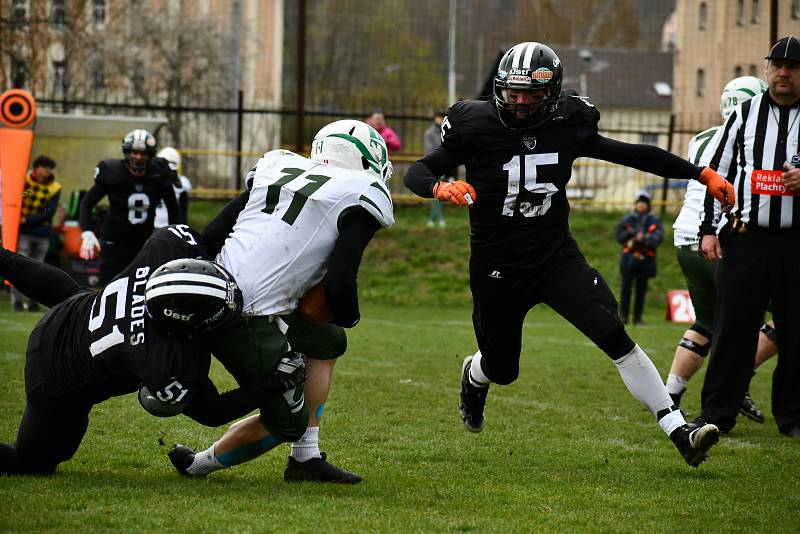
[[143, 332], [518, 150], [134, 186]]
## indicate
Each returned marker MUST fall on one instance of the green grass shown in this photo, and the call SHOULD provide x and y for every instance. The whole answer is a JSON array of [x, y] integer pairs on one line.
[[565, 447]]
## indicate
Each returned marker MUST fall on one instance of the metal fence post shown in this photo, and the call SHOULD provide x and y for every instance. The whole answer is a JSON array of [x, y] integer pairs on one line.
[[239, 122]]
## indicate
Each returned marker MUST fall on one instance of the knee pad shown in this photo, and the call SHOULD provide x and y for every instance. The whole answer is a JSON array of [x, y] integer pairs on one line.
[[693, 346], [770, 332], [701, 330]]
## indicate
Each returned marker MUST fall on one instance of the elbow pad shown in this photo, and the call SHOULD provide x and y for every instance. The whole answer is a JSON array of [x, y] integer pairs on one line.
[[154, 406]]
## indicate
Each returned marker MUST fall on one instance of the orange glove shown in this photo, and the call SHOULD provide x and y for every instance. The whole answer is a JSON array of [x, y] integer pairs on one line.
[[314, 306], [459, 193], [719, 187]]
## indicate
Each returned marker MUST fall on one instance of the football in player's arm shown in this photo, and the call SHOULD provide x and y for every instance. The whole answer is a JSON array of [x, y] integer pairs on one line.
[[518, 150], [145, 331]]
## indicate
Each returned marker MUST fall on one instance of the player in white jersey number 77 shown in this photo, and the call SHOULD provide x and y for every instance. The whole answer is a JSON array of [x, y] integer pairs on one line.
[[303, 222]]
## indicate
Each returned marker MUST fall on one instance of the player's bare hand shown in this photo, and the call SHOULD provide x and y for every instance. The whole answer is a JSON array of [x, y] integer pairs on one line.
[[710, 247], [459, 193], [719, 187], [90, 246]]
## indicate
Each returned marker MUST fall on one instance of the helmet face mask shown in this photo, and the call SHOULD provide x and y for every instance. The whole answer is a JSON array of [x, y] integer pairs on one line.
[[190, 297], [531, 69], [355, 145], [739, 90], [138, 148]]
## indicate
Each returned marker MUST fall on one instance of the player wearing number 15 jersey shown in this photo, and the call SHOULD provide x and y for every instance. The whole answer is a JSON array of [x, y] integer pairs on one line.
[[518, 150], [134, 186], [143, 332]]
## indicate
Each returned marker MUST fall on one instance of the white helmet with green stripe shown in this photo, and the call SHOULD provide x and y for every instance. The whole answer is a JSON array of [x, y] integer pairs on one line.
[[352, 144], [739, 90]]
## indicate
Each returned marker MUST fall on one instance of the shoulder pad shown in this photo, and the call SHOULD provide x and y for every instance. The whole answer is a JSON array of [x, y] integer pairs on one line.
[[161, 170], [377, 201], [462, 119], [111, 171], [154, 404], [181, 232]]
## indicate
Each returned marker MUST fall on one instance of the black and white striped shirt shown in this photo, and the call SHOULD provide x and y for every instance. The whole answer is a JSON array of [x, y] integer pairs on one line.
[[749, 151]]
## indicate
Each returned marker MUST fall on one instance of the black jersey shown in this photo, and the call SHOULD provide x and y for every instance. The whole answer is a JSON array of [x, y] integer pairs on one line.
[[520, 177], [101, 345], [132, 199], [520, 217]]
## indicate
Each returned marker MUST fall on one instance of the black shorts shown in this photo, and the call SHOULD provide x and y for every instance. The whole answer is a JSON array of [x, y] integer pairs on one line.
[[568, 284]]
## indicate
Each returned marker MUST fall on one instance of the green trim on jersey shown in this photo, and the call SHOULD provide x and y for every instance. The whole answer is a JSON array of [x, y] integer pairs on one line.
[[382, 189], [366, 199], [705, 137]]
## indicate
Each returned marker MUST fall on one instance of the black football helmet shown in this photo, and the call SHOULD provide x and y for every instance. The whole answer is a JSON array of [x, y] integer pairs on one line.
[[528, 66], [188, 297], [141, 140]]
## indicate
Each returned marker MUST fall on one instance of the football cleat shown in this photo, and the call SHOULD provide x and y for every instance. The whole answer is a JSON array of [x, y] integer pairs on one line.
[[318, 470], [473, 399], [750, 410], [694, 440], [181, 457]]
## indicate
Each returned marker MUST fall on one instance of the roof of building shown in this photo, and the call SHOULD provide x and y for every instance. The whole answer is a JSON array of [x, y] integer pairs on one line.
[[618, 78]]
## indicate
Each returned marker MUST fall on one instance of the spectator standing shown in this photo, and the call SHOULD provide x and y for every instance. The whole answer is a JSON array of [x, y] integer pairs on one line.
[[378, 121], [39, 204], [758, 151], [431, 141], [640, 233]]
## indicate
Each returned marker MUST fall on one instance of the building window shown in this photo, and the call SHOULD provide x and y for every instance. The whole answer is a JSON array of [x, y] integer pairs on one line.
[[756, 11], [98, 13], [741, 20], [702, 15], [58, 16], [701, 82], [19, 73], [59, 78], [19, 14], [98, 77], [737, 71]]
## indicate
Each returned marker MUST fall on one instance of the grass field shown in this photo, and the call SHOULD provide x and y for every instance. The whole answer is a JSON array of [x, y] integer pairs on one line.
[[565, 448]]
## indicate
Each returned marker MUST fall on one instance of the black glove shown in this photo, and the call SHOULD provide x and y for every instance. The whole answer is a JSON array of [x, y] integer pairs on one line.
[[291, 370]]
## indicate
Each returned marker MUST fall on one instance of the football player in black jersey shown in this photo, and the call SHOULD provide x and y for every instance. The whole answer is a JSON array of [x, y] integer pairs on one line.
[[134, 186], [518, 149], [143, 332]]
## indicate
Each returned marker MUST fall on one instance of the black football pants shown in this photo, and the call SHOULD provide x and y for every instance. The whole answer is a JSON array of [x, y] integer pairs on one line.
[[755, 267], [569, 285]]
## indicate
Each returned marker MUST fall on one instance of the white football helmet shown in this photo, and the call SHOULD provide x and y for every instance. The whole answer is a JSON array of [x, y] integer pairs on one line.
[[172, 156], [739, 90], [352, 144]]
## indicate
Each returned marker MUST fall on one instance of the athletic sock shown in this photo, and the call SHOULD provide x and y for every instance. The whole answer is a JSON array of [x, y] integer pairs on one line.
[[476, 376], [643, 381], [205, 462], [307, 447], [676, 384]]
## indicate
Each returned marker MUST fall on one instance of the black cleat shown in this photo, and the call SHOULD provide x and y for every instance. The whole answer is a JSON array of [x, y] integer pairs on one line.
[[473, 399], [318, 470], [181, 457], [693, 441], [750, 410]]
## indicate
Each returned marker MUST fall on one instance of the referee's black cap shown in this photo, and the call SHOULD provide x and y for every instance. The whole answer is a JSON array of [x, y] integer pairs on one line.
[[787, 48]]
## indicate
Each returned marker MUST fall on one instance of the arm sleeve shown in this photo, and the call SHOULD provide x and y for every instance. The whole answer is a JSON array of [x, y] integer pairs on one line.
[[47, 213], [723, 147], [92, 197], [173, 211], [218, 230], [341, 289], [392, 139], [422, 175], [37, 280], [654, 236], [211, 408], [646, 158], [624, 231]]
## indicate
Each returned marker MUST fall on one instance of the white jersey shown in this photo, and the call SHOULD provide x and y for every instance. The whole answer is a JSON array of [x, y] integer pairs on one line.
[[687, 225], [282, 240], [162, 216]]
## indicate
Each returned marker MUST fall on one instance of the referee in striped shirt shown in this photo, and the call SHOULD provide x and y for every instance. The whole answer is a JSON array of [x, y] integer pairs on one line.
[[758, 243]]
